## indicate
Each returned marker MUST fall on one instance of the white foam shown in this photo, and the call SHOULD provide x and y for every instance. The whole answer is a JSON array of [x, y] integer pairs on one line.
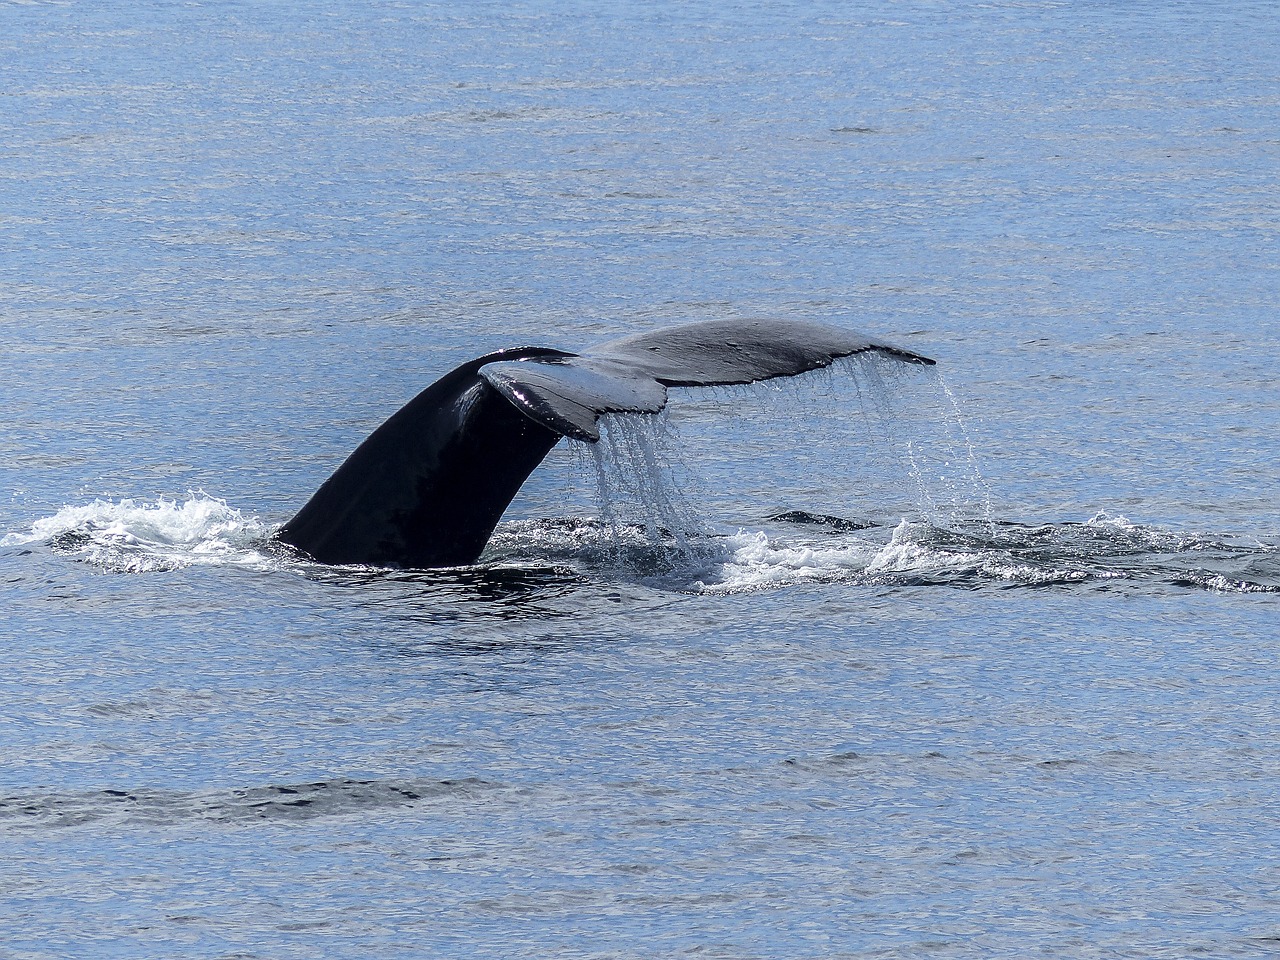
[[140, 536], [1119, 529], [1106, 521], [757, 562], [915, 552]]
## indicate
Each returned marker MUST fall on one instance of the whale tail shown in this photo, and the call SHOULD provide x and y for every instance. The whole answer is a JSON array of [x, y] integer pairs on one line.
[[427, 488]]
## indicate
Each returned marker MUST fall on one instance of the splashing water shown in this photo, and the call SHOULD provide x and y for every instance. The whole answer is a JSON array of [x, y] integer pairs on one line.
[[848, 435], [141, 537], [1104, 553], [874, 415], [920, 425], [660, 497]]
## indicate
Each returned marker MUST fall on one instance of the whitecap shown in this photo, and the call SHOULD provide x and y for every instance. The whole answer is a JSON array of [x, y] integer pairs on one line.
[[129, 536]]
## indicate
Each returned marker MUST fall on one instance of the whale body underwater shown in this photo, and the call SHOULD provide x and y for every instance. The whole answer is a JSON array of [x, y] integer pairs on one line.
[[428, 487]]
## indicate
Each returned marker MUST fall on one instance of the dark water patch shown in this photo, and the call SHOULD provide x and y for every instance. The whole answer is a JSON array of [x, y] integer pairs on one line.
[[871, 767], [285, 803], [804, 518], [871, 763], [609, 547], [1113, 551], [496, 584]]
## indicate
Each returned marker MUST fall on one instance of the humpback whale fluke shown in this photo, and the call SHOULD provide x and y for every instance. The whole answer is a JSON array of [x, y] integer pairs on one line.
[[427, 488]]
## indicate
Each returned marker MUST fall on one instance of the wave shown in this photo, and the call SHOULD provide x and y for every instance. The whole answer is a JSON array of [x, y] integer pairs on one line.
[[144, 537], [1104, 552]]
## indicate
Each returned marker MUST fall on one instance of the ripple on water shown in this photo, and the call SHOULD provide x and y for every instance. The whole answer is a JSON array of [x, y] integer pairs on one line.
[[671, 549], [286, 803]]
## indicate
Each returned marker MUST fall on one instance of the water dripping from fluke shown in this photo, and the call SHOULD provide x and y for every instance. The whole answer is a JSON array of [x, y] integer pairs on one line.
[[658, 494]]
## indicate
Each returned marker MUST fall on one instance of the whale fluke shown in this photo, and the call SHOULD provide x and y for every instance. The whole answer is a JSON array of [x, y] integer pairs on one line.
[[427, 488]]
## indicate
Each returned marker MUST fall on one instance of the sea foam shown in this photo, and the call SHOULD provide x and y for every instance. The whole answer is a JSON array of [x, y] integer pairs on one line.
[[131, 536]]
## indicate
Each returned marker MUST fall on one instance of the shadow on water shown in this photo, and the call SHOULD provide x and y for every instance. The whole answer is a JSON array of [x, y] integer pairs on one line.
[[545, 585], [502, 587]]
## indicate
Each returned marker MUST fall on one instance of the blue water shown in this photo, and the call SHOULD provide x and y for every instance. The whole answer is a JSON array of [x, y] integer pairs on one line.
[[976, 664]]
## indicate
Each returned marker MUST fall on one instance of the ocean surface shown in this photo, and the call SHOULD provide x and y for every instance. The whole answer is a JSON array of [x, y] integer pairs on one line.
[[972, 661]]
